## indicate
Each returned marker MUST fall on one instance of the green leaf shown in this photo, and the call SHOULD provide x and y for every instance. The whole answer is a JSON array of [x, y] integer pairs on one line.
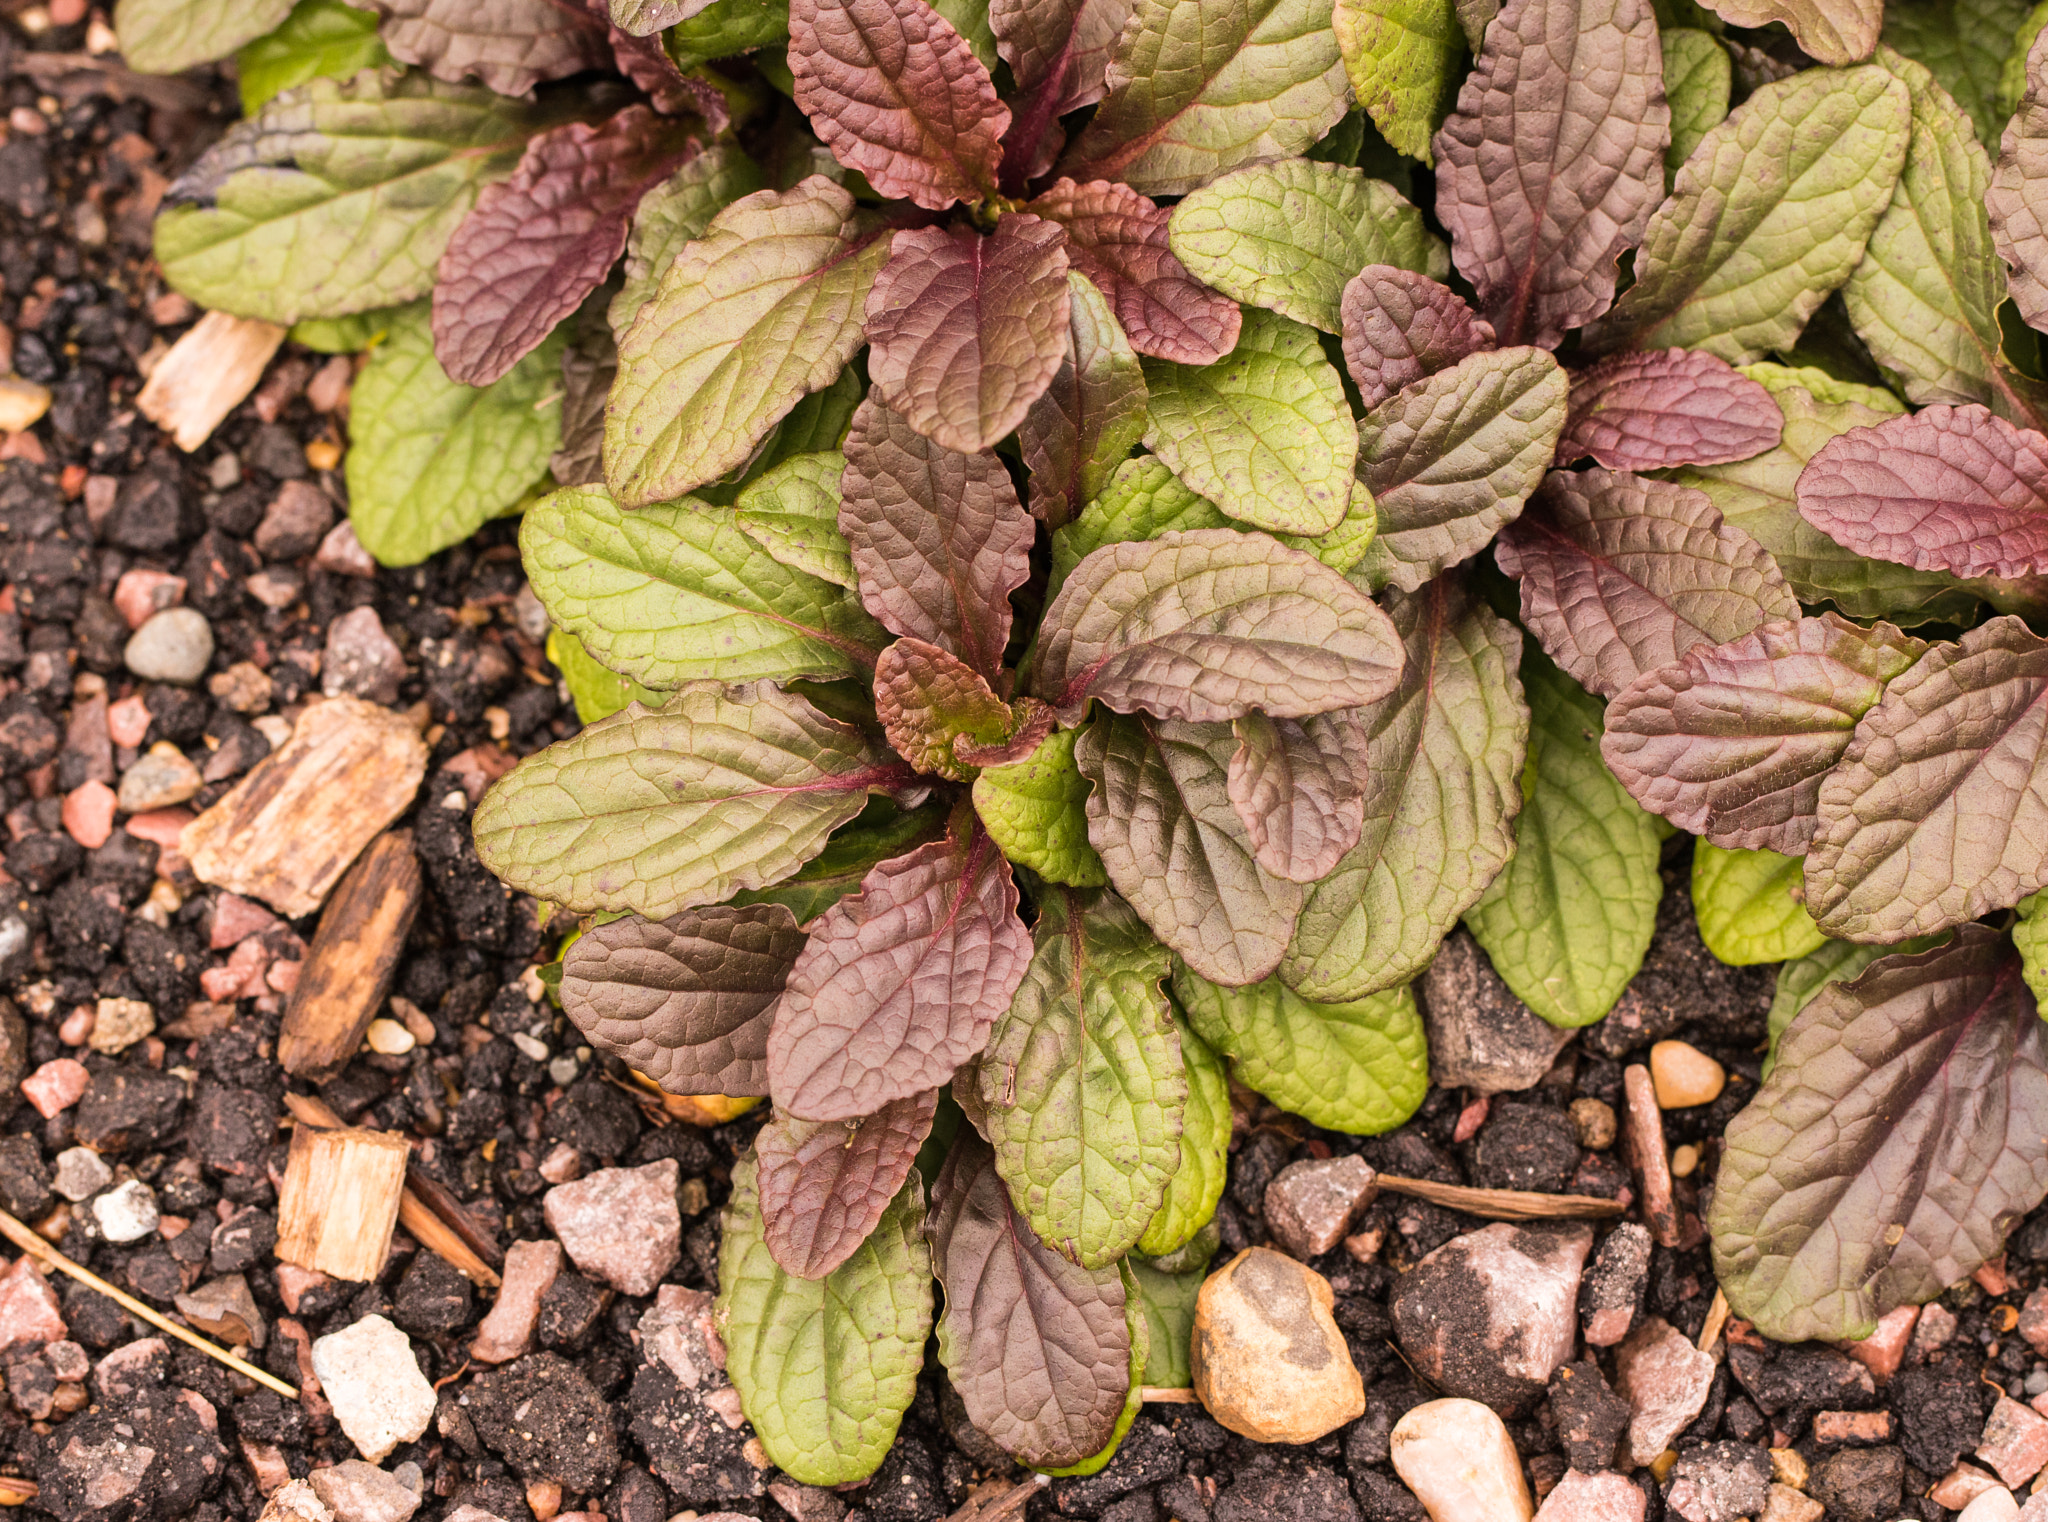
[[430, 460], [170, 36], [1452, 457], [1142, 501], [825, 1367], [726, 28], [345, 335], [970, 19], [881, 833], [1443, 786], [1197, 1184], [1167, 1301], [675, 213], [596, 689], [1749, 905], [1697, 81], [1264, 433], [751, 782], [321, 39], [1769, 214], [2030, 935], [1964, 43], [1568, 920], [1035, 810], [2012, 74], [1197, 87], [675, 593], [338, 196], [1288, 236], [1083, 1084], [1402, 56], [1801, 978], [792, 512], [768, 305], [1361, 1066]]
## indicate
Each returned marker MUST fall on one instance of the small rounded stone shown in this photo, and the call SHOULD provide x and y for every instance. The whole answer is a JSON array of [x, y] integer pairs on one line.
[[1267, 1357], [1594, 1120], [389, 1038], [172, 646], [1457, 1457], [1685, 1076]]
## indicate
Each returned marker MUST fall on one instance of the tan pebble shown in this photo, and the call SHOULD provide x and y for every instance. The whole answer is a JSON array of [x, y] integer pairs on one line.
[[1685, 1075], [390, 1038], [1457, 1457], [1788, 1468], [323, 454], [1267, 1357], [1684, 1160], [22, 403], [1594, 1120]]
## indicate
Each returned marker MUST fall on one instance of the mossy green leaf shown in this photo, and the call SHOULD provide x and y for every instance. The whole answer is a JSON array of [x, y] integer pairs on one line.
[[677, 212], [1749, 905], [1697, 81], [726, 28], [1402, 56], [1035, 810], [792, 512], [1965, 43], [1196, 1186], [597, 691], [170, 36], [1168, 1303], [321, 39]]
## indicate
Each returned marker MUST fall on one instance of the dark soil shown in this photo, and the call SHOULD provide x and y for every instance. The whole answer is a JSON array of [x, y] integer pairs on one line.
[[93, 491]]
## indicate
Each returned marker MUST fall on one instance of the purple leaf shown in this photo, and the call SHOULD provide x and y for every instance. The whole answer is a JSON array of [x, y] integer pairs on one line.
[[1037, 1346], [939, 538], [644, 18], [1209, 624], [1059, 46], [1732, 741], [1092, 415], [511, 45], [536, 244], [1938, 811], [1117, 238], [1828, 31], [898, 95], [824, 1184], [926, 699], [1400, 326], [900, 983], [1674, 407], [1895, 1142], [686, 1000], [965, 331], [1553, 161], [1621, 575], [1954, 489], [1297, 787]]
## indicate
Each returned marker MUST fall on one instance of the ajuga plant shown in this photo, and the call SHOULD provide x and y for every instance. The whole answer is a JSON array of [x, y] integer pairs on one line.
[[1076, 588]]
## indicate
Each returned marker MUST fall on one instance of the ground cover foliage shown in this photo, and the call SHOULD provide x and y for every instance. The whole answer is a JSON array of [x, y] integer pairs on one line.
[[1089, 534]]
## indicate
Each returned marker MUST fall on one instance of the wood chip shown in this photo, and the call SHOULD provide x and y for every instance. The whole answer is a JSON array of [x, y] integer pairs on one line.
[[206, 375], [289, 829], [349, 967], [340, 1200], [1504, 1204]]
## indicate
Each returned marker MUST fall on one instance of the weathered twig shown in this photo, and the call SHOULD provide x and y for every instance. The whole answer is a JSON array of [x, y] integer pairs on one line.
[[21, 1236], [1504, 1204], [1168, 1395], [1717, 1318], [1011, 1500]]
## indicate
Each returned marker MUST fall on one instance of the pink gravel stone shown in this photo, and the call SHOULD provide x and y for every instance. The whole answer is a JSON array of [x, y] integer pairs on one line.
[[140, 593], [54, 1087], [1665, 1380], [507, 1332], [1310, 1205], [1885, 1349], [128, 721], [89, 814], [78, 1026], [1605, 1497], [1937, 1326], [28, 1307], [343, 554], [1471, 1118], [242, 977], [293, 1282], [2015, 1442], [1960, 1486], [621, 1226], [235, 919]]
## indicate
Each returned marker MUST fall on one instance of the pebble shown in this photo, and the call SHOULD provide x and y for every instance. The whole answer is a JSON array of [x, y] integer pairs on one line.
[[163, 778], [22, 403], [1885, 1349], [389, 1038], [296, 1501], [1458, 1459], [245, 687], [1719, 1482], [1267, 1357], [507, 1331], [1784, 1504], [1994, 1505], [620, 1225], [224, 1308], [359, 1492], [28, 1307], [128, 721], [1960, 1486], [1861, 1484], [141, 592], [1611, 1290], [56, 1086], [1606, 1497], [361, 660], [80, 1174], [1310, 1205], [343, 554], [119, 1023], [1491, 1314], [1665, 1380], [295, 522], [172, 646], [89, 814], [127, 1212], [1481, 1037], [1685, 1075], [369, 1375], [2015, 1441], [1594, 1121]]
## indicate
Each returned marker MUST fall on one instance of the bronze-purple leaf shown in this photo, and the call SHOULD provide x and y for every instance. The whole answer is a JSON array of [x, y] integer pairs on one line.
[[895, 92], [965, 332], [511, 45], [1059, 47], [1297, 786], [1037, 1346], [1731, 741], [927, 698], [1117, 238], [1956, 489], [644, 18], [1622, 574], [824, 1184], [1400, 326], [539, 242], [1092, 415], [1674, 407], [939, 539], [1550, 166], [899, 983], [686, 1000]]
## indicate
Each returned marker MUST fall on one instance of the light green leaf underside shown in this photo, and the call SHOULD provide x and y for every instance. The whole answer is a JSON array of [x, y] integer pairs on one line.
[[430, 460], [1264, 433], [1965, 44], [1361, 1067], [1036, 813], [676, 593], [1168, 1303], [1083, 1083], [825, 1367], [1769, 214], [2030, 935], [1568, 920], [1749, 907], [2012, 74], [322, 39], [1402, 56], [673, 214], [170, 36], [725, 28], [1196, 1186], [1290, 235], [1697, 81], [339, 196], [792, 512], [597, 691]]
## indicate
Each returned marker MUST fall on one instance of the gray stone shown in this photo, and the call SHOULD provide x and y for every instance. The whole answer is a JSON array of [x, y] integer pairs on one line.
[[1665, 1380], [359, 1492], [294, 523], [172, 646], [1721, 1482], [224, 1308], [1267, 1357], [161, 778], [1310, 1205], [81, 1174], [1481, 1037], [373, 1381], [620, 1225], [361, 660], [1611, 1291], [1606, 1497]]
